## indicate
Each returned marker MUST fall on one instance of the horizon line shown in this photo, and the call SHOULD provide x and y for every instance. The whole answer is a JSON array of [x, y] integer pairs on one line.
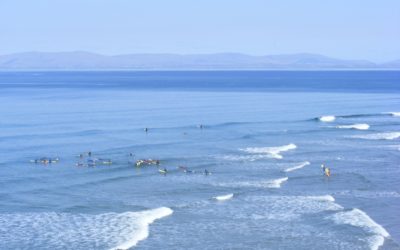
[[194, 54]]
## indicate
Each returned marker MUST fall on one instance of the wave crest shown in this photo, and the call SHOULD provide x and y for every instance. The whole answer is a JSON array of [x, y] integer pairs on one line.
[[302, 165], [327, 118], [396, 114], [145, 220], [359, 126], [77, 231], [358, 218], [223, 197], [272, 152]]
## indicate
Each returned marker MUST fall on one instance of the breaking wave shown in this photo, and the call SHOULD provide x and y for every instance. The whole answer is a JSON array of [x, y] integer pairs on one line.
[[358, 218], [331, 118], [327, 118], [223, 197], [394, 113], [302, 165], [322, 198], [77, 231], [360, 126], [272, 152]]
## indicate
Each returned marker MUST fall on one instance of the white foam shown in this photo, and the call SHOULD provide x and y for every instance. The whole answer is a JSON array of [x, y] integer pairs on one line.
[[376, 241], [224, 197], [84, 231], [394, 113], [322, 198], [290, 208], [276, 183], [358, 218], [370, 194], [379, 136], [245, 157], [360, 126], [302, 165], [327, 118], [272, 152], [146, 219]]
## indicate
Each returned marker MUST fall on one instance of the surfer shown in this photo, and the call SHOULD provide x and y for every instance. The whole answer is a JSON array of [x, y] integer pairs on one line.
[[325, 170]]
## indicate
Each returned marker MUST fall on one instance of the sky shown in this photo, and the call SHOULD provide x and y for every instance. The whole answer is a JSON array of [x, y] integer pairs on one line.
[[347, 29]]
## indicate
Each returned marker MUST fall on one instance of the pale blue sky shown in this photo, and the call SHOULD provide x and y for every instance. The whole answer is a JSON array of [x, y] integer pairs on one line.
[[349, 29]]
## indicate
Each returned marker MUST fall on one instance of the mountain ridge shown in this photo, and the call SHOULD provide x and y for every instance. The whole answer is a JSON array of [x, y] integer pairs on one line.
[[83, 60]]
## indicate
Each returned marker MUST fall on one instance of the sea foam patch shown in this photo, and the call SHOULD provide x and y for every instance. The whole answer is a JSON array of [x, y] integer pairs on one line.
[[379, 136], [272, 152], [275, 183], [289, 208], [244, 157], [77, 231], [369, 194]]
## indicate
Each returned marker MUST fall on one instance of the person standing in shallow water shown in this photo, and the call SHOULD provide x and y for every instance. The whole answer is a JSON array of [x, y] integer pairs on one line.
[[325, 170]]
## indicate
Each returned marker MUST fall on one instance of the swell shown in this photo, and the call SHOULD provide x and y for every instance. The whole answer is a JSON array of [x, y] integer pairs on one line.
[[362, 115]]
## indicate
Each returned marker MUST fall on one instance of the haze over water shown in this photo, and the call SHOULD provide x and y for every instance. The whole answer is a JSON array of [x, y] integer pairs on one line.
[[264, 136]]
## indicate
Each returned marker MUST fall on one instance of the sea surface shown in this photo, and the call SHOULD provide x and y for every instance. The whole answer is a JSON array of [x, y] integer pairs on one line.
[[261, 135]]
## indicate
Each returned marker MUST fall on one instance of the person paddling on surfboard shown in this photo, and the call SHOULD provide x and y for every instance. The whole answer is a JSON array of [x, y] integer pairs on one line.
[[163, 171]]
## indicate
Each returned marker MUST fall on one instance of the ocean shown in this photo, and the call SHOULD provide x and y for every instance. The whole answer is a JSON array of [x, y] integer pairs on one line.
[[242, 149]]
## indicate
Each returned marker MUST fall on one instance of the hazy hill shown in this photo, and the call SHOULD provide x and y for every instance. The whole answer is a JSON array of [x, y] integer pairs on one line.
[[85, 61]]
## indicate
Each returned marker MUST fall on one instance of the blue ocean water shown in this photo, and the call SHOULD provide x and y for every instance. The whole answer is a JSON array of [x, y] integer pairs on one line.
[[263, 138]]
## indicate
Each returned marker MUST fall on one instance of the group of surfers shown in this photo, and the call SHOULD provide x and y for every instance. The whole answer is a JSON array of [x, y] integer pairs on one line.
[[86, 160], [92, 162]]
